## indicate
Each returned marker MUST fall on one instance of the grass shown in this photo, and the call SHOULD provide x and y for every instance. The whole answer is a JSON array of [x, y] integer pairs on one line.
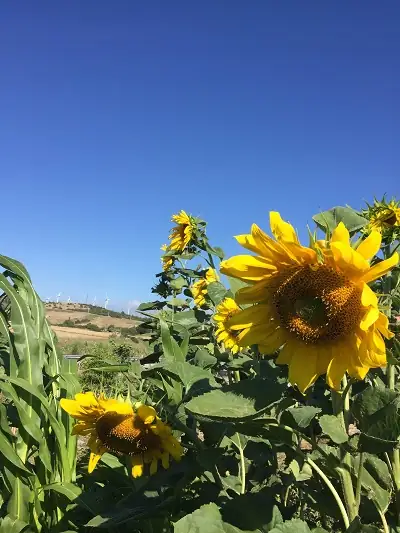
[[98, 354]]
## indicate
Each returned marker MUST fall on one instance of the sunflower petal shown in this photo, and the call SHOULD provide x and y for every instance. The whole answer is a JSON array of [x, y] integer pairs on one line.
[[300, 374], [341, 234], [371, 245], [336, 371], [147, 414], [348, 260], [369, 318], [94, 459], [137, 465], [247, 267], [282, 231], [256, 314], [380, 269]]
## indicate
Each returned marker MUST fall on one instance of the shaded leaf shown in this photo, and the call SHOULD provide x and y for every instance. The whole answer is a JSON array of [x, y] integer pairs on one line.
[[301, 416], [333, 427], [216, 291]]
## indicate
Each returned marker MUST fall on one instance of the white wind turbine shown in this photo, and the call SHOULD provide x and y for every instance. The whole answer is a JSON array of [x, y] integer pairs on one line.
[[58, 296], [106, 302]]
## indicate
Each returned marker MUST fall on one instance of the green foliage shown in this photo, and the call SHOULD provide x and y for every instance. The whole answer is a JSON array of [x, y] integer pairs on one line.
[[258, 456]]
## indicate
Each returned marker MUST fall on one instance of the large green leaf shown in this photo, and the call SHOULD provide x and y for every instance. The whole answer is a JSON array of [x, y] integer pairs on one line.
[[328, 220], [333, 427], [8, 452], [13, 525], [293, 526], [216, 291], [241, 401], [301, 416], [206, 519], [376, 412], [172, 351]]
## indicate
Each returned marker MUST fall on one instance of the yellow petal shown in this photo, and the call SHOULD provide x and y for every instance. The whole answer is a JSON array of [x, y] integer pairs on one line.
[[83, 428], [348, 260], [368, 297], [341, 234], [137, 466], [247, 267], [147, 414], [382, 324], [86, 398], [73, 408], [94, 459], [324, 357], [303, 369], [285, 355], [371, 245], [282, 231], [173, 447], [256, 314], [336, 371], [253, 294], [380, 269], [370, 317], [273, 342], [256, 334]]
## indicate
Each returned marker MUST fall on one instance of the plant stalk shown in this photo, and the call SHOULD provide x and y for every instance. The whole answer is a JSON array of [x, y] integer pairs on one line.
[[344, 471]]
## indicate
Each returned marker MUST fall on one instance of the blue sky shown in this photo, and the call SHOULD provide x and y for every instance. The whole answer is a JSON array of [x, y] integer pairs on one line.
[[114, 115]]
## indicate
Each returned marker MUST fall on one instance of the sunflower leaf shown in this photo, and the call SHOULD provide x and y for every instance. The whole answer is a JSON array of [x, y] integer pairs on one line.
[[301, 416], [206, 518], [245, 400], [333, 427], [216, 291], [328, 220]]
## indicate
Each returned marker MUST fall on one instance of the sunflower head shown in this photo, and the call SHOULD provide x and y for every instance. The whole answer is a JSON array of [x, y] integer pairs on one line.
[[225, 334], [166, 260], [316, 309], [181, 234], [383, 216], [199, 287], [115, 426]]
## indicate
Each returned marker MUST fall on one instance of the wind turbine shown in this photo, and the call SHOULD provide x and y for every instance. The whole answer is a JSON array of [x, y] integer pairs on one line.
[[94, 301], [69, 300], [106, 302], [48, 299], [58, 296]]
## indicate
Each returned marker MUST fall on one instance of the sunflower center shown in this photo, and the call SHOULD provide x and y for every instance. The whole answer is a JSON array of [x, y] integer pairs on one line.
[[318, 304], [390, 218], [122, 433]]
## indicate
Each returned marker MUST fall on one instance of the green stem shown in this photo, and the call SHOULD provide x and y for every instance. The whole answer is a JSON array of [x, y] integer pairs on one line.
[[333, 491], [344, 471], [237, 376], [358, 487], [383, 519]]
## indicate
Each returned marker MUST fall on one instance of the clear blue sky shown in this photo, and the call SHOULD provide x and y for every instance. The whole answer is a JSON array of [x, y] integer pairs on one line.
[[114, 115]]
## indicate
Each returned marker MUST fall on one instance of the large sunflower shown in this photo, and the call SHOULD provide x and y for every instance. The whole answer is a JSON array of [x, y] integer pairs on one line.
[[224, 334], [115, 426], [182, 233], [199, 288], [315, 304]]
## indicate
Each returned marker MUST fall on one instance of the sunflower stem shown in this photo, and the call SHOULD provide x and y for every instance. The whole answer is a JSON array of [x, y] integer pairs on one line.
[[344, 471], [358, 487], [334, 492]]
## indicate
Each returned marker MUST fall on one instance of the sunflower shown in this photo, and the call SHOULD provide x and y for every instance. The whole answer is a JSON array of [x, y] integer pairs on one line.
[[224, 312], [314, 304], [115, 426], [166, 260], [182, 233], [383, 216], [199, 288]]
